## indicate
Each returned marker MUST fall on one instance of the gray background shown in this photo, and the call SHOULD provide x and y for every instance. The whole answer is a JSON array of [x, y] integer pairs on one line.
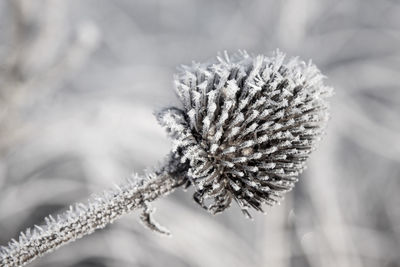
[[79, 81]]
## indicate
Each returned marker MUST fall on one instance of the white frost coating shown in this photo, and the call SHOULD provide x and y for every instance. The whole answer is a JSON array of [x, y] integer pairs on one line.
[[80, 220]]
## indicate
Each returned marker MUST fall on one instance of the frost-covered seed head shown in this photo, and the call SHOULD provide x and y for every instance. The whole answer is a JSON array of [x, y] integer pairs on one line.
[[247, 127]]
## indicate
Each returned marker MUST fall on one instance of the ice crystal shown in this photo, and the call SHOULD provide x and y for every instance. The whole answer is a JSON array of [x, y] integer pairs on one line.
[[247, 127]]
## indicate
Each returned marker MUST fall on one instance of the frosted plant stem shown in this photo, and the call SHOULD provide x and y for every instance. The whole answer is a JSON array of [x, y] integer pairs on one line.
[[246, 129], [81, 220]]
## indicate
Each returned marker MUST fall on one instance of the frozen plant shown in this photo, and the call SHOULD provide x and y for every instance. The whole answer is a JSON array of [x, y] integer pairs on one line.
[[243, 134]]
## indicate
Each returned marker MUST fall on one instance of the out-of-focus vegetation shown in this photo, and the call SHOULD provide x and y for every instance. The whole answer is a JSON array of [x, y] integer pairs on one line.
[[79, 81]]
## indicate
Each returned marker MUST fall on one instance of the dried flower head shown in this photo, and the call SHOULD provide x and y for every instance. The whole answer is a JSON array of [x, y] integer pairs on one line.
[[247, 127]]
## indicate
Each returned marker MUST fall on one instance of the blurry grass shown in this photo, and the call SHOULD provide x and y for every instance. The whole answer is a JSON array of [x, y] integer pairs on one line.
[[79, 81]]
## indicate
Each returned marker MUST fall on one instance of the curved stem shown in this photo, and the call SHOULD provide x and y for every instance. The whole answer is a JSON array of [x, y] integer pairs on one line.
[[81, 220]]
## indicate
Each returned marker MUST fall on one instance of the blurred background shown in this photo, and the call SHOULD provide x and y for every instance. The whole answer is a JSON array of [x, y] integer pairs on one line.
[[80, 80]]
